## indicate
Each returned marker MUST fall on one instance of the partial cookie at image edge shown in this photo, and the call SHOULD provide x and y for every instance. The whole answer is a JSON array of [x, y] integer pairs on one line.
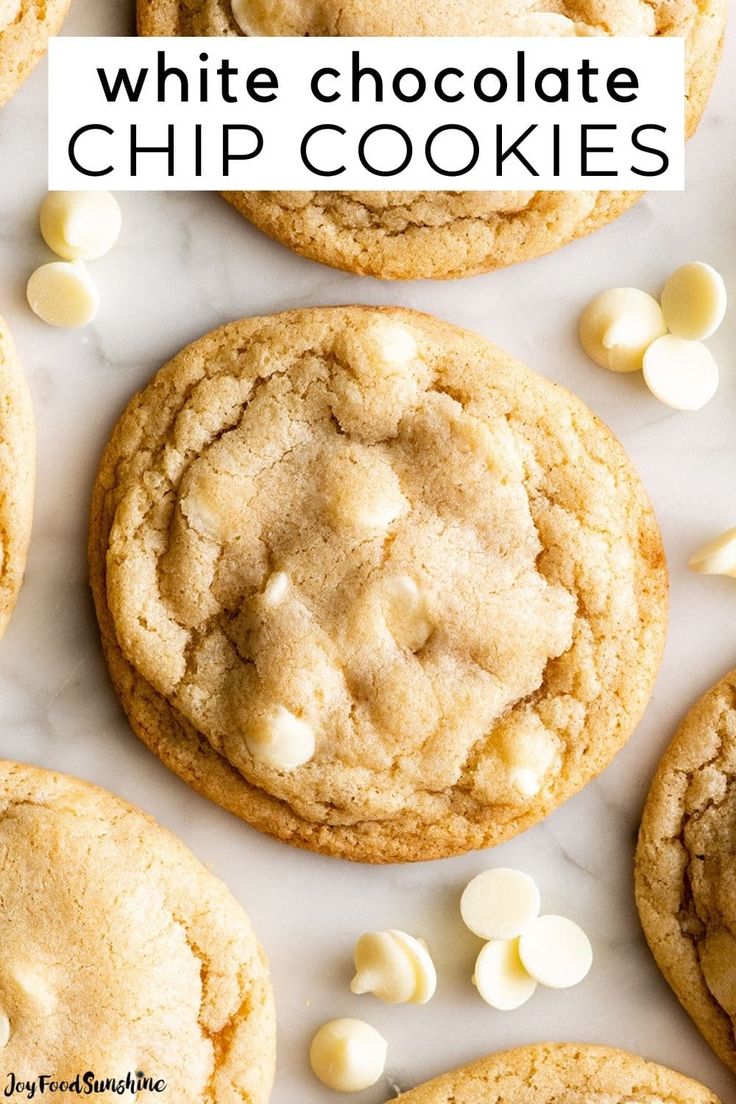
[[692, 777], [23, 43], [544, 1073], [214, 995], [17, 474]]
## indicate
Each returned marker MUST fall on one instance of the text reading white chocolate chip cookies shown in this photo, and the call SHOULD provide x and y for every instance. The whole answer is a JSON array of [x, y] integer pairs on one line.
[[373, 585], [121, 954]]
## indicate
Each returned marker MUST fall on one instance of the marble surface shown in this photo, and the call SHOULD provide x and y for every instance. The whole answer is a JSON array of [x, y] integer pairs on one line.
[[186, 263]]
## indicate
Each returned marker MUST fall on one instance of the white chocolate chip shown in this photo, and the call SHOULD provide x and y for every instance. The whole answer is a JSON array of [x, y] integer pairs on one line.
[[526, 781], [395, 967], [555, 951], [362, 491], [204, 514], [281, 740], [80, 226], [500, 977], [276, 589], [378, 510], [9, 12], [4, 1030], [694, 301], [348, 1055], [718, 557], [617, 327], [394, 344], [406, 612], [682, 374], [36, 987], [529, 752], [63, 294], [499, 903]]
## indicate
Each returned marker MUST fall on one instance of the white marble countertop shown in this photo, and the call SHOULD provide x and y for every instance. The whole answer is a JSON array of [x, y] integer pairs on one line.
[[186, 263]]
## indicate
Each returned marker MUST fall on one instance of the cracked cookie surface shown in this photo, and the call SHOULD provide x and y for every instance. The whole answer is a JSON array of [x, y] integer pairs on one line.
[[121, 952], [548, 1073], [25, 27], [17, 474], [373, 585], [441, 235], [686, 867]]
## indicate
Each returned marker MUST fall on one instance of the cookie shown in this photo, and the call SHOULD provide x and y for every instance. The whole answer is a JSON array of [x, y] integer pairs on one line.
[[17, 474], [25, 27], [549, 1073], [373, 585], [410, 235], [122, 955], [686, 867]]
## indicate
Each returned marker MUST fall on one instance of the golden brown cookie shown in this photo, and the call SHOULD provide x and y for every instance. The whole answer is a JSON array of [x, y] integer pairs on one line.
[[25, 27], [373, 585], [17, 474], [561, 1073], [686, 866], [410, 235], [121, 953]]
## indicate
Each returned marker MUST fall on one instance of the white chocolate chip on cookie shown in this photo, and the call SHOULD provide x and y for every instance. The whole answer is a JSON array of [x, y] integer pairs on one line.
[[406, 612], [395, 967], [555, 951], [80, 226], [682, 374], [276, 589], [348, 1055], [63, 294], [528, 751], [718, 557], [4, 1030], [694, 301], [37, 988], [393, 344], [500, 977], [617, 327], [362, 492], [499, 903], [281, 740]]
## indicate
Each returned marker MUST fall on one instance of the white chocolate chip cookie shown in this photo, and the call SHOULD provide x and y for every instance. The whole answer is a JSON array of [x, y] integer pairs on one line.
[[121, 953], [373, 585], [442, 234], [17, 474]]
